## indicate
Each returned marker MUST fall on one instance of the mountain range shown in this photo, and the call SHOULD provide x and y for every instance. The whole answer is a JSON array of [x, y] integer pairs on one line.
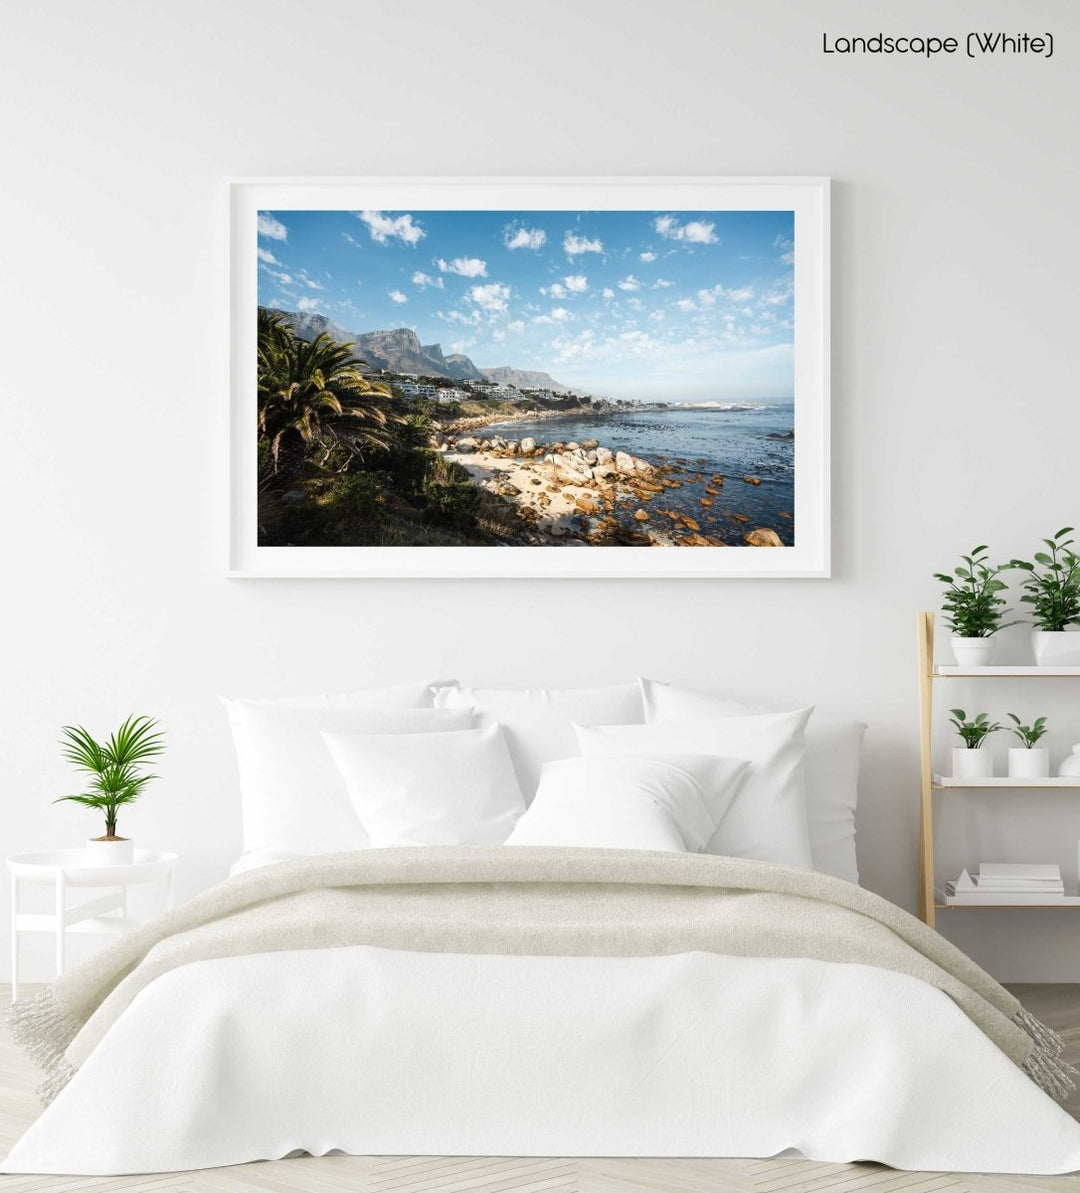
[[400, 351]]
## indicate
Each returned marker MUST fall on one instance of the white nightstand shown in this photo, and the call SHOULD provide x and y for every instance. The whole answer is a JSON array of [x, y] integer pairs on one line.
[[63, 869]]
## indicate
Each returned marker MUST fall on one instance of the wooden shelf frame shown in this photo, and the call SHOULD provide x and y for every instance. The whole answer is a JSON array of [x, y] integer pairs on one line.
[[930, 782]]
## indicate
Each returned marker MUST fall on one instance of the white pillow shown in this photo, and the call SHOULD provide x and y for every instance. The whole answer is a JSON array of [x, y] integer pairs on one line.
[[431, 788], [292, 796], [404, 695], [833, 750], [767, 818], [672, 803], [539, 722]]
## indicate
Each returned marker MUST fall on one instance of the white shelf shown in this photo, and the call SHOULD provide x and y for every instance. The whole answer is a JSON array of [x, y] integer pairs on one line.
[[1065, 901], [1003, 781], [942, 671]]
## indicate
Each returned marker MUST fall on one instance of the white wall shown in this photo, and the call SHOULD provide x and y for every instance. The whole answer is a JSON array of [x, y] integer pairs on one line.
[[955, 407]]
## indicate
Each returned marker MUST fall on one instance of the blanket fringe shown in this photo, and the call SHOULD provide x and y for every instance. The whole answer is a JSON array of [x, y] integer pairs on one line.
[[43, 1030], [1046, 1065]]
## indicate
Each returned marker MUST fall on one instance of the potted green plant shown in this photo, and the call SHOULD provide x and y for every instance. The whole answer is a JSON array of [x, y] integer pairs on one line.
[[970, 761], [1029, 760], [973, 607], [1052, 589], [117, 778]]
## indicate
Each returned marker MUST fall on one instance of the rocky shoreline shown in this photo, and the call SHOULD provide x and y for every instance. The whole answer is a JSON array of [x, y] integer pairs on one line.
[[584, 494]]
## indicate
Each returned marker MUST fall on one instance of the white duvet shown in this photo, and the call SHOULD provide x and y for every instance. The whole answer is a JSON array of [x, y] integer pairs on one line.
[[375, 1051]]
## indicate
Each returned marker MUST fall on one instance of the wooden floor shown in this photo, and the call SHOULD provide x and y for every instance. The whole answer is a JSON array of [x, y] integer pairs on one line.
[[1058, 1006]]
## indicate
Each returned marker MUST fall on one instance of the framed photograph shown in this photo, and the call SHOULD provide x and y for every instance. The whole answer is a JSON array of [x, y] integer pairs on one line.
[[500, 377]]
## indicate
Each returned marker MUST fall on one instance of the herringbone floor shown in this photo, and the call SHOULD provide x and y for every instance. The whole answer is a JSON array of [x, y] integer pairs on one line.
[[1057, 1005]]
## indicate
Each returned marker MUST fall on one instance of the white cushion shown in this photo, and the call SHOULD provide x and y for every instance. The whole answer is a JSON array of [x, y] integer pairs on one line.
[[833, 751], [672, 803], [404, 695], [431, 788], [292, 796], [539, 722], [767, 818]]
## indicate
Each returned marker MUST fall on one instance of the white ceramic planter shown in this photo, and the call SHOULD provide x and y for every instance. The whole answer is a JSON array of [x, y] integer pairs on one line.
[[1056, 648], [972, 764], [120, 852], [1070, 764], [972, 652], [1029, 764]]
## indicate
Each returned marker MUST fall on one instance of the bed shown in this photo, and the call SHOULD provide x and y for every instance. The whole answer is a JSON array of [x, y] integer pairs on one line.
[[605, 966]]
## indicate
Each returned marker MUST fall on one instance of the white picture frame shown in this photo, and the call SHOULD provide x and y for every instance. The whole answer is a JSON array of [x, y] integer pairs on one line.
[[806, 197]]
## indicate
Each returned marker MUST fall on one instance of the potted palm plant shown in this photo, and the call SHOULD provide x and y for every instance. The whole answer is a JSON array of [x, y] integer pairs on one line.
[[117, 778], [1052, 589], [969, 760], [1029, 760], [973, 607]]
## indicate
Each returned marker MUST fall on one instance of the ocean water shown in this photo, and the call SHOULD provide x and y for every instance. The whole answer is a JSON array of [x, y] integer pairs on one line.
[[731, 443]]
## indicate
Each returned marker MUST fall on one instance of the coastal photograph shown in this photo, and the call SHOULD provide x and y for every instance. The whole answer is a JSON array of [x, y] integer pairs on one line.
[[526, 379]]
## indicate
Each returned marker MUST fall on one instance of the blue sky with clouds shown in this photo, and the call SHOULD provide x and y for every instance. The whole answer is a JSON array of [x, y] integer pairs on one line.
[[628, 304]]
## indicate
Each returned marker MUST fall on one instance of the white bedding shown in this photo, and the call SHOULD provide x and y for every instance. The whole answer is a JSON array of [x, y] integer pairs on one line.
[[375, 1051]]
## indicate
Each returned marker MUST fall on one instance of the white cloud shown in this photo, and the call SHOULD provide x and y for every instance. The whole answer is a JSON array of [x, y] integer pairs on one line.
[[576, 283], [708, 298], [266, 256], [310, 282], [467, 267], [491, 298], [555, 290], [662, 284], [636, 304], [519, 237], [472, 319], [423, 280], [629, 283], [778, 295], [607, 292], [646, 257], [787, 247], [517, 326], [694, 232], [555, 315], [307, 304], [686, 304], [741, 295], [575, 246], [397, 296], [384, 228], [271, 227]]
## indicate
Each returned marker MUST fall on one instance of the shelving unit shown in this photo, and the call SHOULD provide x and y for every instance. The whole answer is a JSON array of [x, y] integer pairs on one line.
[[929, 673]]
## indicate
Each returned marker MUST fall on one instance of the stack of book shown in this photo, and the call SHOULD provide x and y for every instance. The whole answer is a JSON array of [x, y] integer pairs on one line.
[[1007, 882]]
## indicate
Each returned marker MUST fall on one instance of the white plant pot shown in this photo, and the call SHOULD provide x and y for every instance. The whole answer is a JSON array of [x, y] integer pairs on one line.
[[1029, 764], [972, 652], [120, 852], [1070, 764], [1056, 648], [972, 764]]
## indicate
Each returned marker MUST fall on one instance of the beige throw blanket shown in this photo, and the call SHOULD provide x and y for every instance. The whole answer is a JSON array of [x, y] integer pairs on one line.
[[526, 901]]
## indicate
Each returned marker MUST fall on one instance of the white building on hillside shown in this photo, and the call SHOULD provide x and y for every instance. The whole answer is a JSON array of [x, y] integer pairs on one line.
[[412, 389]]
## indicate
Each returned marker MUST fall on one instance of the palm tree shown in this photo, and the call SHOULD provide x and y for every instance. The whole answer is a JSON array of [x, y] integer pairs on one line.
[[314, 393], [114, 766]]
